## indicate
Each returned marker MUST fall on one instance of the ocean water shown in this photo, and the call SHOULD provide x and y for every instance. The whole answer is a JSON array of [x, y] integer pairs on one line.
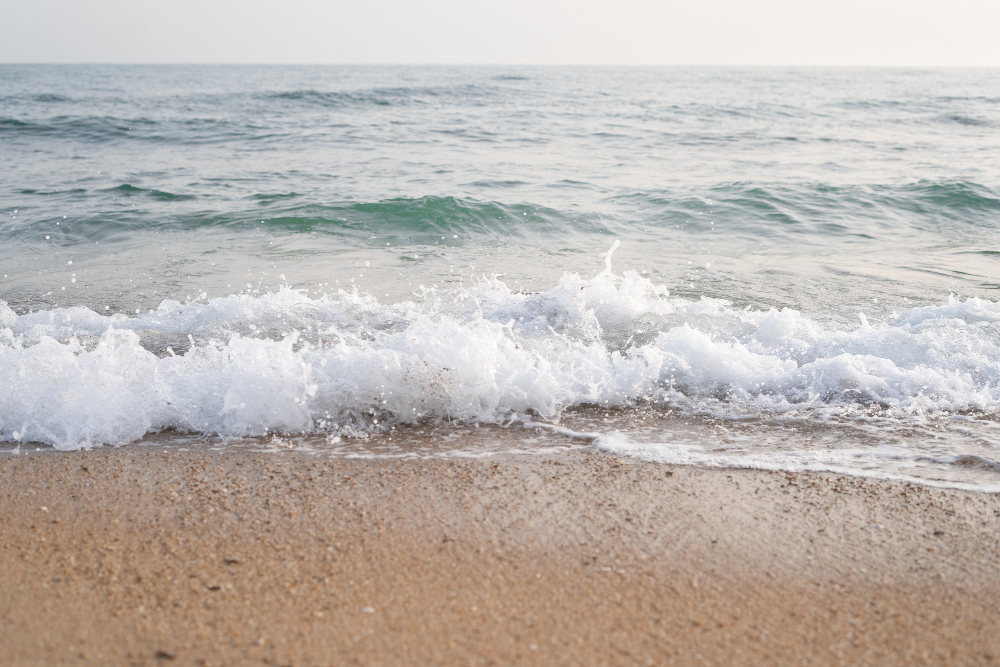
[[785, 269]]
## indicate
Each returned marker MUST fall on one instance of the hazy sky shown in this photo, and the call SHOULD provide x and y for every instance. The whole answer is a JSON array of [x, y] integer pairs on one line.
[[689, 32]]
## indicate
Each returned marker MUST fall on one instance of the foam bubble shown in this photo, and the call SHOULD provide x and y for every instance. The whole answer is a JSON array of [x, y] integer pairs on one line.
[[246, 365]]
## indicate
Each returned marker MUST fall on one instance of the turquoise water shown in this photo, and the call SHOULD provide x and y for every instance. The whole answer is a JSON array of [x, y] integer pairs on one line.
[[807, 248]]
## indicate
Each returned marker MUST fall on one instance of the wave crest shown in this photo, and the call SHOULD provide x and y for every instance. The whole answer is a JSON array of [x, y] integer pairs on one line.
[[247, 365]]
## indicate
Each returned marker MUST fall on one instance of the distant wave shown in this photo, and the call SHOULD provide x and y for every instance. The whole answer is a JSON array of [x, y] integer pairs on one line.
[[50, 98], [127, 190], [390, 96], [177, 131], [865, 211], [77, 127], [807, 212], [416, 220], [962, 119], [411, 220]]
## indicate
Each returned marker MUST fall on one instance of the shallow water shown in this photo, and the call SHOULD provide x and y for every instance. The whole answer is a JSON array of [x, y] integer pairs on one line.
[[806, 276]]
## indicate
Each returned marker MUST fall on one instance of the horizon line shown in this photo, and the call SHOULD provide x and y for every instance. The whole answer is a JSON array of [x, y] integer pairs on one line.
[[488, 64]]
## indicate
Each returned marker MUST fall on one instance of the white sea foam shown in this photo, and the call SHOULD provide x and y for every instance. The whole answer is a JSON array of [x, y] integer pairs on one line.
[[285, 362]]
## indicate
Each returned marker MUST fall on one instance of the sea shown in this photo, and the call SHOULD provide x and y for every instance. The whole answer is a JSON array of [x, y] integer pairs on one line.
[[783, 269]]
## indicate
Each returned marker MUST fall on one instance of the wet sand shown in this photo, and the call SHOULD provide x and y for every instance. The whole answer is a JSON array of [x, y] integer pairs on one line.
[[143, 556]]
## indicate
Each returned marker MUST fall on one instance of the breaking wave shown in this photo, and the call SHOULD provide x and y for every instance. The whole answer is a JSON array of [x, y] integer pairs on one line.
[[285, 362]]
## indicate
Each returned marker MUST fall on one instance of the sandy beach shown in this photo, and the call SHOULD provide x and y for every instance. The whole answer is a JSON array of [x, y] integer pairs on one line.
[[143, 556]]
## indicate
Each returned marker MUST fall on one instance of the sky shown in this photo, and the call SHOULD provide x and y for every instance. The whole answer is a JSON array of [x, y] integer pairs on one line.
[[623, 32]]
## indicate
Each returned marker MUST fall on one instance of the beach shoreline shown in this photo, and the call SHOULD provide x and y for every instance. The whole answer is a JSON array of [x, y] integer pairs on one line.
[[144, 555]]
